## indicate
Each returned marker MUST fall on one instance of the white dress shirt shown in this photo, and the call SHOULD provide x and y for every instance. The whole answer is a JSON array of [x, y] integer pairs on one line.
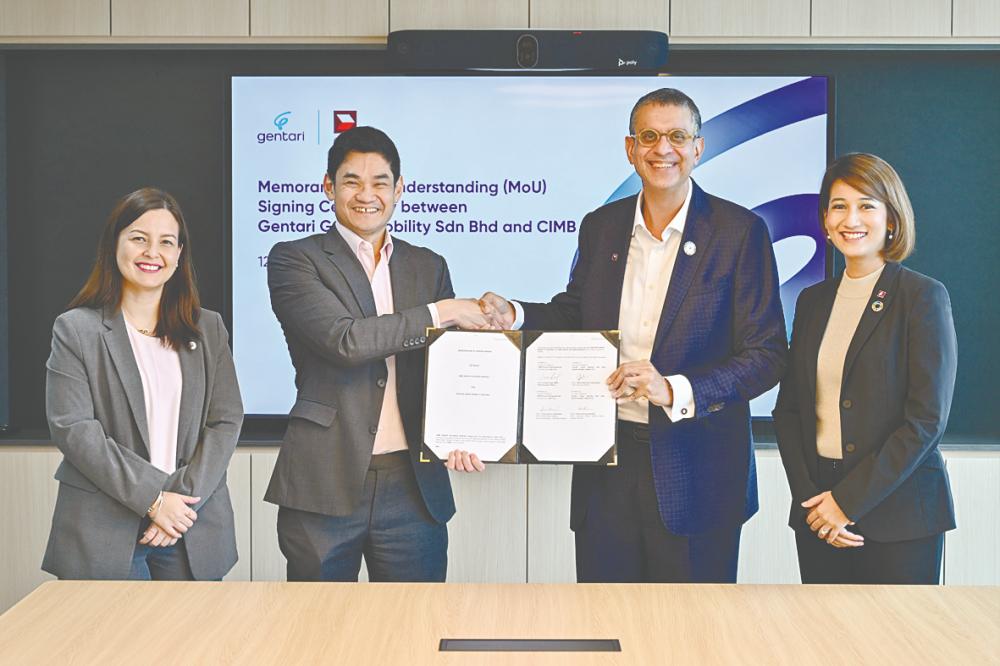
[[647, 278]]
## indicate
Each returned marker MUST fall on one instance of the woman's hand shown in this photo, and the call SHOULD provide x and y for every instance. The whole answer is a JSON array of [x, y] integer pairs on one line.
[[830, 523], [154, 536], [173, 516]]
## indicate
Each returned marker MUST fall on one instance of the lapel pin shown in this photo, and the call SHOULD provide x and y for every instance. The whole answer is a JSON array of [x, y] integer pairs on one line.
[[614, 256], [877, 306], [690, 248], [192, 345]]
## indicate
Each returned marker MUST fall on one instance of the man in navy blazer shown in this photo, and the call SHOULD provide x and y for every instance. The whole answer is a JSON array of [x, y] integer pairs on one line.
[[690, 280]]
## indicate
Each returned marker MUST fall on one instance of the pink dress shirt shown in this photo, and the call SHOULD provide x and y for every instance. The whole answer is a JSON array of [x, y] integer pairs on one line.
[[390, 436]]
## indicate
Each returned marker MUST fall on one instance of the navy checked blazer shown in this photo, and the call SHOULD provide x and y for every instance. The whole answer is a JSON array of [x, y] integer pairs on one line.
[[721, 326]]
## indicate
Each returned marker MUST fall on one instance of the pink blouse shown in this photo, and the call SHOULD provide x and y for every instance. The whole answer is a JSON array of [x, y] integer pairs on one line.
[[160, 370]]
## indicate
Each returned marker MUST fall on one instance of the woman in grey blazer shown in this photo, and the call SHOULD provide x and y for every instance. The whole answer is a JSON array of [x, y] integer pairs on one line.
[[867, 393], [142, 400]]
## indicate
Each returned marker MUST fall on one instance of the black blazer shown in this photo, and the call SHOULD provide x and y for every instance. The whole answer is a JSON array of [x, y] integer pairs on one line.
[[899, 376]]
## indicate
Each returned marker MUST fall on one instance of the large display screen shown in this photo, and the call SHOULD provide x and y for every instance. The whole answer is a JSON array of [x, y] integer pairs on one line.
[[498, 173]]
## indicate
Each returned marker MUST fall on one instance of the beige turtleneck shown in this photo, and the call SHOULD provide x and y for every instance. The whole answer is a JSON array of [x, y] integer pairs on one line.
[[852, 297]]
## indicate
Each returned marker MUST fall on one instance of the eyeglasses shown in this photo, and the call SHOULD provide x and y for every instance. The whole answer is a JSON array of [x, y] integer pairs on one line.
[[678, 138]]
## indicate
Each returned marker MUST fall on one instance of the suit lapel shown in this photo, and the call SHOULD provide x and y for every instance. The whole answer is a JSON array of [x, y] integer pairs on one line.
[[403, 276], [354, 274], [697, 230], [120, 350], [192, 396], [616, 254], [875, 312]]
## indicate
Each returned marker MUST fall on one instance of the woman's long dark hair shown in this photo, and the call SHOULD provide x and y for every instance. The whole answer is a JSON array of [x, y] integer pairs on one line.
[[179, 304]]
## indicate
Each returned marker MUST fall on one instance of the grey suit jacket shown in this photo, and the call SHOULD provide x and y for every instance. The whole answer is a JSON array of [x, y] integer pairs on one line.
[[323, 300], [97, 417]]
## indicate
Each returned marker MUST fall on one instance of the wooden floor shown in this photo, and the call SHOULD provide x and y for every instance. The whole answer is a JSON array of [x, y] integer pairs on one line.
[[349, 623]]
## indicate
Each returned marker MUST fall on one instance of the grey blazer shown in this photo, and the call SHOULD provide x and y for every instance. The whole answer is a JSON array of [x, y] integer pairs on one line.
[[96, 413], [323, 300]]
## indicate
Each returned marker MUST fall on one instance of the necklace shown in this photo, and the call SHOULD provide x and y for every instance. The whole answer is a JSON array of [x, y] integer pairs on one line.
[[144, 331]]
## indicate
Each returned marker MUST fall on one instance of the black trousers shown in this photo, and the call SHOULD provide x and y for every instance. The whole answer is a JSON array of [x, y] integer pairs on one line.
[[391, 529], [914, 562], [623, 538]]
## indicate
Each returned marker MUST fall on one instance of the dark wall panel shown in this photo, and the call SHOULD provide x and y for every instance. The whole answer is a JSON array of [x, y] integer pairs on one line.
[[86, 126]]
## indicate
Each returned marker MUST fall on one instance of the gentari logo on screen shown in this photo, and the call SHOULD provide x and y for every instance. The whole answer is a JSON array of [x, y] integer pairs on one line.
[[281, 136]]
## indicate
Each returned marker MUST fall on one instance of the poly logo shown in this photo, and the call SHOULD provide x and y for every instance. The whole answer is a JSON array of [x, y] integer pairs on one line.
[[344, 120]]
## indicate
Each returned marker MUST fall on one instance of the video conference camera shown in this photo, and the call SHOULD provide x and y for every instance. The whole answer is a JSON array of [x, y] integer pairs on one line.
[[619, 51]]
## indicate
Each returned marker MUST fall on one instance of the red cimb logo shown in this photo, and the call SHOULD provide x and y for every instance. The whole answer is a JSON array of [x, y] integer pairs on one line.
[[344, 120]]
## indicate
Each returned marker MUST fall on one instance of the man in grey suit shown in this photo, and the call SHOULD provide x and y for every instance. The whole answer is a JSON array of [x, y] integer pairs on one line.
[[354, 304]]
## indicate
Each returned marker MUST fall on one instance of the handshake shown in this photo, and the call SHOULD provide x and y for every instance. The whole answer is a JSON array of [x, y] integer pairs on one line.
[[489, 313]]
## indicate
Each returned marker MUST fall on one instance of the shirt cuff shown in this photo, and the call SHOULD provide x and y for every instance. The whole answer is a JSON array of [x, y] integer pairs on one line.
[[435, 318], [683, 407], [518, 316]]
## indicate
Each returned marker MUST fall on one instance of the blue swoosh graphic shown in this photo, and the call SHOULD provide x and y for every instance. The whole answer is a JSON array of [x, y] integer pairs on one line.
[[796, 215]]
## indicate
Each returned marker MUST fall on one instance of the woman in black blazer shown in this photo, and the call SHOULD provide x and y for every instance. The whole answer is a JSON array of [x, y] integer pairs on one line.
[[867, 393]]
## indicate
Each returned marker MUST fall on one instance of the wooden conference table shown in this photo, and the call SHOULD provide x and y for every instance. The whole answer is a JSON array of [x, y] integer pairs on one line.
[[88, 622]]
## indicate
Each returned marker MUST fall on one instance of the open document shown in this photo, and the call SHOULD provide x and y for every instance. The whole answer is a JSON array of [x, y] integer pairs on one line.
[[521, 396]]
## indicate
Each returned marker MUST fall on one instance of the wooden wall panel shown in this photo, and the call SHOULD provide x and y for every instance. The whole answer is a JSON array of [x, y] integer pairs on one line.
[[267, 562], [319, 18], [767, 544], [180, 18], [972, 551], [457, 14], [487, 538], [975, 18], [881, 18], [601, 15], [240, 494], [739, 18], [28, 497], [59, 18], [551, 547]]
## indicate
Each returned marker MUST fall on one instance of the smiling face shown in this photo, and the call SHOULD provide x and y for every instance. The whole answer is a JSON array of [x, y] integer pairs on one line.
[[364, 194], [663, 167], [148, 250], [857, 225]]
